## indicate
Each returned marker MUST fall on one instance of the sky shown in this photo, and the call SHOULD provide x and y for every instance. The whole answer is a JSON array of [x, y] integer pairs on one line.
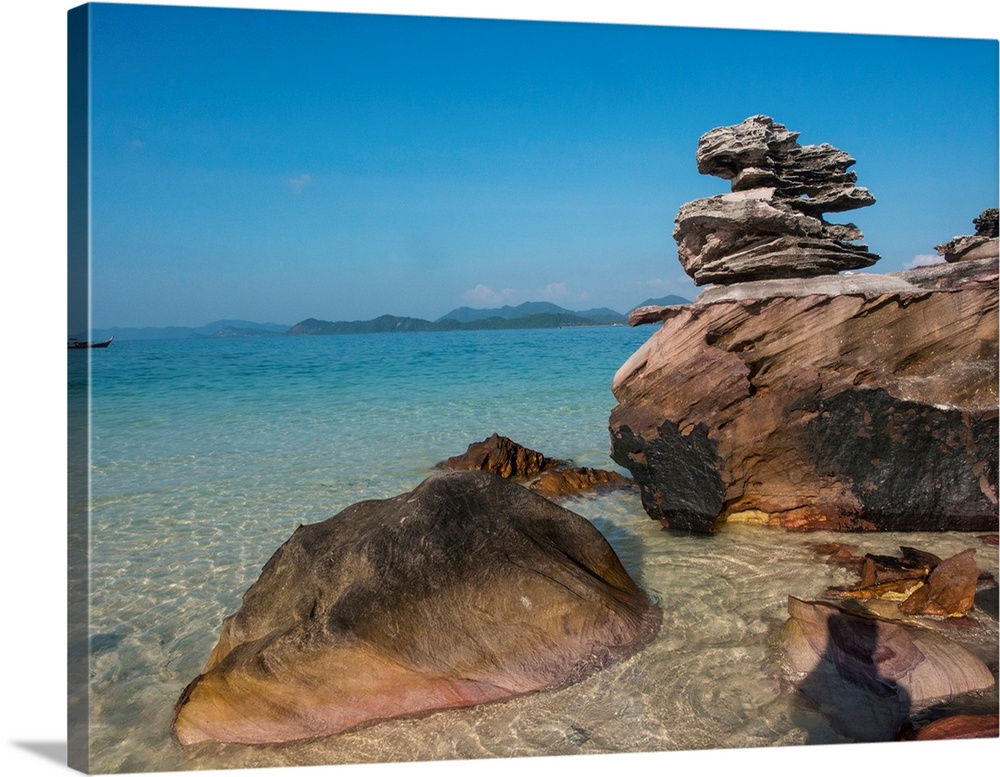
[[277, 165]]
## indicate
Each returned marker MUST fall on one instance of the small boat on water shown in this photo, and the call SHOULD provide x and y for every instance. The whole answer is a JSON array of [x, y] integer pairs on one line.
[[74, 343]]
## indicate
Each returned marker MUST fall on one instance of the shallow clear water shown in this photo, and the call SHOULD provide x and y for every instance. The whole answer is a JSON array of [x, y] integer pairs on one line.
[[207, 454]]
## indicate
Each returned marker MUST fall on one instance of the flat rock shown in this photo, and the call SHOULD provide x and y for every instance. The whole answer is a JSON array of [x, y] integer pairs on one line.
[[468, 589], [566, 481]]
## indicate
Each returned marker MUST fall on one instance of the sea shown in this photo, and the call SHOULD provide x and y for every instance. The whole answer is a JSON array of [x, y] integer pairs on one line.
[[206, 454]]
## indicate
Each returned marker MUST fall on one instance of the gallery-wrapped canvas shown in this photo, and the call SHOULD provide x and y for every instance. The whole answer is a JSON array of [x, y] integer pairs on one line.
[[449, 388]]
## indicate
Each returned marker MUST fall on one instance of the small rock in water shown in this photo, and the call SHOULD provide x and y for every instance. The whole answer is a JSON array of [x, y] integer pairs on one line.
[[500, 456]]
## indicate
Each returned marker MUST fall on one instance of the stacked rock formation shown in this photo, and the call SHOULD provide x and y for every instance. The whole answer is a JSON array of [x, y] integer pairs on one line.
[[771, 224], [854, 401], [985, 244]]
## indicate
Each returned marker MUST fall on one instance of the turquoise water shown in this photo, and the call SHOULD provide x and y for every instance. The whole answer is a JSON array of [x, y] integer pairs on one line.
[[207, 454]]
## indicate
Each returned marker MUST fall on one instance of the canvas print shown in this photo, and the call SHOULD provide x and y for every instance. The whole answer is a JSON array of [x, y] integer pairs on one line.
[[451, 388]]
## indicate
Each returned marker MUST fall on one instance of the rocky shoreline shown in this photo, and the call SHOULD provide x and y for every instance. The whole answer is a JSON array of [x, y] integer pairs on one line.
[[787, 395]]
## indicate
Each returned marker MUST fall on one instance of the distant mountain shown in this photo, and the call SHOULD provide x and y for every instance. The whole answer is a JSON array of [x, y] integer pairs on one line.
[[670, 299], [223, 328], [313, 326], [466, 315]]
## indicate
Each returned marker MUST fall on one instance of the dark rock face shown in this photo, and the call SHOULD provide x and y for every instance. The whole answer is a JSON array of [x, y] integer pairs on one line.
[[468, 589], [500, 456], [771, 225], [987, 223], [855, 410]]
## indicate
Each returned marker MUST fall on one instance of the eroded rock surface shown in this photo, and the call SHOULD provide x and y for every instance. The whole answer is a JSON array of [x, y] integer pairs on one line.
[[771, 225], [865, 409], [985, 244], [468, 589], [500, 456], [869, 675], [567, 481]]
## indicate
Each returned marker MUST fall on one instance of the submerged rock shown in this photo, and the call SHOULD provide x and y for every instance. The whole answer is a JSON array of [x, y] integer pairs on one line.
[[571, 480], [466, 590], [771, 225], [864, 409], [956, 727]]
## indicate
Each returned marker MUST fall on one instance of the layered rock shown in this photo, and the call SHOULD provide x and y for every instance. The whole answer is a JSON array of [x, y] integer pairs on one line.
[[832, 403], [868, 675], [985, 244], [771, 225], [468, 589]]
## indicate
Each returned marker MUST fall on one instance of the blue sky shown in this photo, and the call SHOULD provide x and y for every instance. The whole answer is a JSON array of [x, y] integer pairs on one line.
[[278, 165]]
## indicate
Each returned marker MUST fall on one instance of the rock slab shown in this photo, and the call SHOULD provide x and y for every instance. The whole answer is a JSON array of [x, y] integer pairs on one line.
[[468, 589]]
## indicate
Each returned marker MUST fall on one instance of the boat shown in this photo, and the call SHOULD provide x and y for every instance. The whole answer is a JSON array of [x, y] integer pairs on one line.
[[74, 343]]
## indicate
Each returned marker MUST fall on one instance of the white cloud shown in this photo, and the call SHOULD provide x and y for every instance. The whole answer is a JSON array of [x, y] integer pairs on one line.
[[484, 294], [298, 184], [554, 290], [922, 260]]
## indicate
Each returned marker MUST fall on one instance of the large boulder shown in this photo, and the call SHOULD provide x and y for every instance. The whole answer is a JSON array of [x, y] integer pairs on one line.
[[843, 402], [468, 589]]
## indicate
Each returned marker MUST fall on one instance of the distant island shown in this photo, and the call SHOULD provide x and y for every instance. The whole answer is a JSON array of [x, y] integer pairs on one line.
[[528, 315]]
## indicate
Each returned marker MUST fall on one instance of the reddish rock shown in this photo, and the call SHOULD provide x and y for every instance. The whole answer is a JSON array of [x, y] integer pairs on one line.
[[950, 590], [571, 480], [860, 410], [468, 589], [957, 727], [500, 456]]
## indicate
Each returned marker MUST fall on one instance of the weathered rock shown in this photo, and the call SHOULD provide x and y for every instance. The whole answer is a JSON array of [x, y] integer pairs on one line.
[[571, 480], [987, 223], [500, 456], [838, 411], [950, 590], [771, 225], [985, 244], [956, 727], [757, 236], [466, 590], [920, 582], [868, 674]]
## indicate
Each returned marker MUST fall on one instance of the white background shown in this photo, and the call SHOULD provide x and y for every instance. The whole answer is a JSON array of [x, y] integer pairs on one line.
[[33, 287]]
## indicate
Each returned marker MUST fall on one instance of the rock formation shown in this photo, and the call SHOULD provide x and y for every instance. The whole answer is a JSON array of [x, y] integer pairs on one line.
[[869, 675], [849, 401], [985, 244], [920, 582], [549, 477], [468, 589], [500, 456], [771, 225], [566, 481]]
